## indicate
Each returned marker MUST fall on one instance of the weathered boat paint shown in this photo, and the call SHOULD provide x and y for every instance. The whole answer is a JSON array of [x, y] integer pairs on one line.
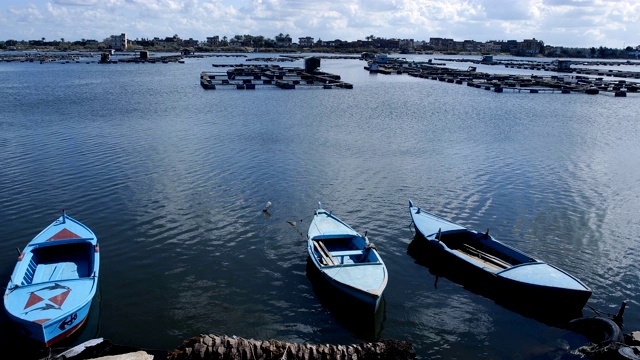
[[54, 281]]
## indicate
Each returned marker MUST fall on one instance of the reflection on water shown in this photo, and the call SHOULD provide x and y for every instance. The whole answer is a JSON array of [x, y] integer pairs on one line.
[[173, 179]]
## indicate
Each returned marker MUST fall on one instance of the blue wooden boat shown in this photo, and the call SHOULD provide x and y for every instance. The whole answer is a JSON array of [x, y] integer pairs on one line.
[[54, 281], [346, 259], [513, 276]]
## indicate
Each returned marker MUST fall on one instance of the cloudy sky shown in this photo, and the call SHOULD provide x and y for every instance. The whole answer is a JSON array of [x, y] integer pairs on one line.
[[570, 23]]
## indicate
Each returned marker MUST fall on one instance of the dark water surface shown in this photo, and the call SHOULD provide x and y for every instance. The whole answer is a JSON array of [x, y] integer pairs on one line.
[[173, 178]]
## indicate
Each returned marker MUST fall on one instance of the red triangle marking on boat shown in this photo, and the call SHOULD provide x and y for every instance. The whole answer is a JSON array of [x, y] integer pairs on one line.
[[41, 321], [63, 235], [60, 298], [32, 300]]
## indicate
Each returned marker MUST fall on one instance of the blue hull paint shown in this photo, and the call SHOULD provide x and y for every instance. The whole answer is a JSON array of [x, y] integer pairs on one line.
[[370, 301], [53, 331], [54, 281], [354, 315], [505, 273], [346, 259]]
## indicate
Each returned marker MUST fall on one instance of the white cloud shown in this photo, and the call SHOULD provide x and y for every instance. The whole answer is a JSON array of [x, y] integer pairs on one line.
[[580, 23], [76, 2]]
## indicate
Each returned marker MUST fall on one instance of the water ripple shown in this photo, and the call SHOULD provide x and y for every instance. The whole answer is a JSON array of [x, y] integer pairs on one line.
[[173, 181]]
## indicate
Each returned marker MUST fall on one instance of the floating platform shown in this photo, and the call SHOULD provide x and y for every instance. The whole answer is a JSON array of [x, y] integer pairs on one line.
[[554, 66], [562, 84], [253, 77]]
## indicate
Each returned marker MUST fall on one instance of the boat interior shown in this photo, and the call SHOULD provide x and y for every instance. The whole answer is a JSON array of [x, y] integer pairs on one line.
[[481, 249], [59, 262], [343, 251]]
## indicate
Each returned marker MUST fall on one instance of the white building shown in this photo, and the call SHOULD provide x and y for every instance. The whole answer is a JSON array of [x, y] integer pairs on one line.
[[305, 42], [118, 42]]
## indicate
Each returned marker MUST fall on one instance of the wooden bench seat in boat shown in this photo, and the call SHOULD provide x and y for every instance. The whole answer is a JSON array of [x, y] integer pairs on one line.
[[57, 271], [344, 257], [347, 252], [483, 257]]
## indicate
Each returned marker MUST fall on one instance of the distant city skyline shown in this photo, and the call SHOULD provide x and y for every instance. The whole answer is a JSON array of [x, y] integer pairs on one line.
[[568, 23]]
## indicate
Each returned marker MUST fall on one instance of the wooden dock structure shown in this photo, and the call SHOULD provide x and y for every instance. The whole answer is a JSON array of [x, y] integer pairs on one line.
[[251, 77], [587, 67], [561, 83]]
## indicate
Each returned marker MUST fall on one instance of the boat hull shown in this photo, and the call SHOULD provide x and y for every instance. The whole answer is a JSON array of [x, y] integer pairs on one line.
[[553, 300], [342, 284], [351, 313], [53, 331], [522, 283], [54, 281]]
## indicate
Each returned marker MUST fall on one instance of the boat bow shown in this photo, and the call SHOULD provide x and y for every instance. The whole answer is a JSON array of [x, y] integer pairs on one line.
[[429, 224]]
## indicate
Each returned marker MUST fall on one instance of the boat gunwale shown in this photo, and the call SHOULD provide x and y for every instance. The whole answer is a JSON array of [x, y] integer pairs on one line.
[[464, 230], [59, 221], [30, 252]]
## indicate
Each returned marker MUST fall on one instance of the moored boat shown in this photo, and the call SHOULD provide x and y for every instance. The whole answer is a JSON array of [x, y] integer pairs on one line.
[[346, 259], [53, 283], [510, 274]]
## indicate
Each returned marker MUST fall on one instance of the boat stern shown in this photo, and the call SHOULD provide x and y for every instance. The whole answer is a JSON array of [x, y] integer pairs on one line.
[[545, 286]]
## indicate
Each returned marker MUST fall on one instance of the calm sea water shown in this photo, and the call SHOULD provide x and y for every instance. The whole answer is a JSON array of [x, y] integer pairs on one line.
[[173, 178]]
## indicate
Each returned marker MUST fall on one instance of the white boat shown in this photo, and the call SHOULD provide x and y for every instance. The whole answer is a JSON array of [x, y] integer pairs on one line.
[[346, 259], [512, 275]]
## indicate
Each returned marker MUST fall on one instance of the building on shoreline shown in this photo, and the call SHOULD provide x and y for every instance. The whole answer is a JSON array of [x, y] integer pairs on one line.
[[118, 42], [284, 42]]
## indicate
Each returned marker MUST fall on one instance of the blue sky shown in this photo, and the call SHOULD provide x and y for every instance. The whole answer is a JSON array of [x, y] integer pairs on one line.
[[570, 23]]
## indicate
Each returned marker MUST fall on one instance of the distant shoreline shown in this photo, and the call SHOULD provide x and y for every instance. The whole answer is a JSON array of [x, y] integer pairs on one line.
[[246, 50]]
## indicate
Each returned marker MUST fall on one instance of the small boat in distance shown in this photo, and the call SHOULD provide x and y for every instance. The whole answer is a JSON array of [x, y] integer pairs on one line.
[[511, 275], [346, 259], [54, 281]]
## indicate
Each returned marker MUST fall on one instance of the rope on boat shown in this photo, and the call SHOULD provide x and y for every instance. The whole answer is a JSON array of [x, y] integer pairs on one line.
[[593, 309], [599, 312], [617, 318], [294, 224]]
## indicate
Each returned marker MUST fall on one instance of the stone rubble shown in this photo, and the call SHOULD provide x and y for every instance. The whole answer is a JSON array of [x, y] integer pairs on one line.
[[214, 347]]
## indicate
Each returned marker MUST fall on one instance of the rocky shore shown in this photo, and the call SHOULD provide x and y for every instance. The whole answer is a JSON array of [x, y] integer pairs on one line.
[[207, 347], [222, 347], [606, 341]]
